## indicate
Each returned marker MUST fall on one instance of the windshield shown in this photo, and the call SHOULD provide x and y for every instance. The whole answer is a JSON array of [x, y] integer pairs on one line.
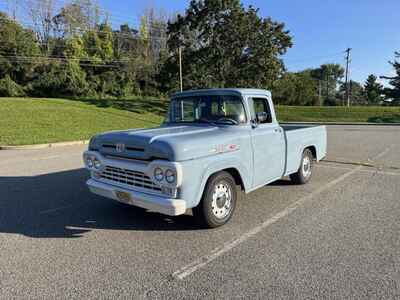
[[221, 109]]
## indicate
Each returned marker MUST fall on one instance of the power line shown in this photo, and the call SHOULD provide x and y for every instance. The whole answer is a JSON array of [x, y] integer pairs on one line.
[[62, 62], [59, 58]]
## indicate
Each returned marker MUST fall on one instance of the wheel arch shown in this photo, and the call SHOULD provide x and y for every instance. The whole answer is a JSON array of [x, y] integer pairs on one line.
[[234, 171], [313, 150]]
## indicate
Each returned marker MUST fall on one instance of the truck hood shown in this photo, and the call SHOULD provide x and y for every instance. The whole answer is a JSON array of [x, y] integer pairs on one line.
[[174, 143]]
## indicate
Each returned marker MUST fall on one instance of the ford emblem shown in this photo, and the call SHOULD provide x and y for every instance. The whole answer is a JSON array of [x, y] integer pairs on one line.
[[120, 148]]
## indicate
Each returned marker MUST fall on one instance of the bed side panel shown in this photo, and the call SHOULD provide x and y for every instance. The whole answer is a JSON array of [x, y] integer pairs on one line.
[[298, 140]]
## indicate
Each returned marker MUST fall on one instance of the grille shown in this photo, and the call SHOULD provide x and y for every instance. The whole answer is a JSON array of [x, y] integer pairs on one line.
[[129, 177]]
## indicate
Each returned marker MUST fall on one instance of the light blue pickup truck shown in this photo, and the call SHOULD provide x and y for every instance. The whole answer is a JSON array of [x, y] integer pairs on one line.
[[212, 143]]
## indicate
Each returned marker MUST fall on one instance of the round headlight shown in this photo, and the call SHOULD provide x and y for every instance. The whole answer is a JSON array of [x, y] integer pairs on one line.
[[89, 162], [97, 163], [170, 176], [158, 174]]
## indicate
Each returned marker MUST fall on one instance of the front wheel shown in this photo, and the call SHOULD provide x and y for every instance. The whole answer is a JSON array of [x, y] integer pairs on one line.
[[218, 202], [303, 175]]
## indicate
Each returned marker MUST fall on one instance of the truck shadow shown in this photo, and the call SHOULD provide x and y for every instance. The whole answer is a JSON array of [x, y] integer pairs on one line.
[[282, 182], [59, 205]]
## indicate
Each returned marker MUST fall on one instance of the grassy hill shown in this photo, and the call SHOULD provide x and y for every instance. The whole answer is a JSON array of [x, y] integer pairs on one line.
[[34, 121]]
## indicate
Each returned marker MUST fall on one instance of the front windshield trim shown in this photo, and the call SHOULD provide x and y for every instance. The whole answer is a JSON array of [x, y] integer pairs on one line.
[[210, 99]]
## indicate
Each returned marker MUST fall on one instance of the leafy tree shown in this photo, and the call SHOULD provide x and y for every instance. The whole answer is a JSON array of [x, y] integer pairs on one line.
[[329, 77], [373, 90], [60, 79], [225, 45], [8, 88], [296, 89], [357, 93], [77, 16], [18, 46]]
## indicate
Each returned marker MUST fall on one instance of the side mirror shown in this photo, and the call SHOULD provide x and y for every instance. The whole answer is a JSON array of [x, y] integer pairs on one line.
[[262, 117]]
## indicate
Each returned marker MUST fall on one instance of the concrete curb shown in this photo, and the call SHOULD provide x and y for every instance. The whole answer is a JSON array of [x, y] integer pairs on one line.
[[44, 146], [342, 123]]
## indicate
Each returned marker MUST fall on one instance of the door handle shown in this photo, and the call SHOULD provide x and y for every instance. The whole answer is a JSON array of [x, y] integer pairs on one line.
[[277, 130]]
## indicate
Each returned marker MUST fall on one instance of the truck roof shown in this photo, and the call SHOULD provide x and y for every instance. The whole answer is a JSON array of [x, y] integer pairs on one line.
[[240, 91]]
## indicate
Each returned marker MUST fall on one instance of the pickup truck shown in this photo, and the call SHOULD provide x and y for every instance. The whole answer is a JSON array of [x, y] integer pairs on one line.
[[213, 144]]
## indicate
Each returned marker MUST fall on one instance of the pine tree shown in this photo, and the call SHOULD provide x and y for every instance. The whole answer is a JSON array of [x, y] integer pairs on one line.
[[394, 92], [373, 89]]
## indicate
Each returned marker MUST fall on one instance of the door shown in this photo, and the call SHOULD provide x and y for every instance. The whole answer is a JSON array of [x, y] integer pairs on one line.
[[268, 143]]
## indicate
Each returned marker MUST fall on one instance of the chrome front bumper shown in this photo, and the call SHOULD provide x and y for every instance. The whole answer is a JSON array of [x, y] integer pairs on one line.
[[167, 206]]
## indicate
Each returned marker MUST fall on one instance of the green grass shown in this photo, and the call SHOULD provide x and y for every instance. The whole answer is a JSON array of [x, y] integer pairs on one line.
[[370, 114], [35, 121]]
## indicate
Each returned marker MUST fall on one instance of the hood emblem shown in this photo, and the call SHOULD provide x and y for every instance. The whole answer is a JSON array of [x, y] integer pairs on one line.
[[120, 148]]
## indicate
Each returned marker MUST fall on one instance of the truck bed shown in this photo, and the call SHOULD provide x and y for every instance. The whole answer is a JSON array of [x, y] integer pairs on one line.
[[298, 137]]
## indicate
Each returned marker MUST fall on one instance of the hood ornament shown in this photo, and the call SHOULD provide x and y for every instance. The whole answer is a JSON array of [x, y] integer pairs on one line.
[[120, 148]]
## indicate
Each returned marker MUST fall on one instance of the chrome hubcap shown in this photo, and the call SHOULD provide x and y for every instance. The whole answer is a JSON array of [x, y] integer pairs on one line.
[[306, 167], [221, 200]]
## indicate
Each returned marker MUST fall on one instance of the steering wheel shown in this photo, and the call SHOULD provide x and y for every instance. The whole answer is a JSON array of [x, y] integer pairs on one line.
[[230, 120]]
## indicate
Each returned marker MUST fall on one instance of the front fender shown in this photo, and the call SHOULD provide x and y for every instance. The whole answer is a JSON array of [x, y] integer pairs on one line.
[[219, 164]]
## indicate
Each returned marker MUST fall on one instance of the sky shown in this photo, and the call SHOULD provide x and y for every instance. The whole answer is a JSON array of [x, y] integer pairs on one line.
[[321, 29]]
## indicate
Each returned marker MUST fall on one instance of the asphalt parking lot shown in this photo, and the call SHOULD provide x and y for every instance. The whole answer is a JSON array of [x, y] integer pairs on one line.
[[337, 237]]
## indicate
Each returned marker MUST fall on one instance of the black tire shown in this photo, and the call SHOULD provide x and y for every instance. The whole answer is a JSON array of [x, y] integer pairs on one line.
[[302, 176], [210, 212]]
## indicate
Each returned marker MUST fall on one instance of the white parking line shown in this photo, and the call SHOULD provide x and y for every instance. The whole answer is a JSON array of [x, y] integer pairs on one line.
[[217, 252], [373, 171]]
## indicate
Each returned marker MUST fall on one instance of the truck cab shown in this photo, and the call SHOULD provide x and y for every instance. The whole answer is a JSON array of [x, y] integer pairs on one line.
[[212, 141]]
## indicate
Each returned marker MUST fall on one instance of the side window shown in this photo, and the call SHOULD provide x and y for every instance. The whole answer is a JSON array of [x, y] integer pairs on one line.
[[262, 110], [183, 110]]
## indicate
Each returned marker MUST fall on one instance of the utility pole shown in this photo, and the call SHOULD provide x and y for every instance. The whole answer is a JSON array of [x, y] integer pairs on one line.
[[320, 92], [327, 87], [347, 76], [180, 68]]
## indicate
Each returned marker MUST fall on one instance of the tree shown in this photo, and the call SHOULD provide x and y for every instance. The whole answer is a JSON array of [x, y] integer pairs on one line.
[[225, 45], [157, 33], [76, 17], [296, 89], [329, 77], [373, 89], [18, 46], [357, 93], [41, 13], [394, 81]]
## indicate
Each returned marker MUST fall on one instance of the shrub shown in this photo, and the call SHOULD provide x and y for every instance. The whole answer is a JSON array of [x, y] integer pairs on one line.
[[9, 88]]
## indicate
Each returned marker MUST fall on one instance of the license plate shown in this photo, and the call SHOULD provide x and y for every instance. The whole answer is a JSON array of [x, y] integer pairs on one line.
[[123, 196]]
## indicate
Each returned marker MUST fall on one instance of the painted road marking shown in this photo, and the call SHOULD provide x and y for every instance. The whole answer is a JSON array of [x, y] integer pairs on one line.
[[226, 247], [377, 171]]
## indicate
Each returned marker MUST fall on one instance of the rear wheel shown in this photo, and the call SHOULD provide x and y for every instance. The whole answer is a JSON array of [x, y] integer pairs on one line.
[[218, 202], [304, 174]]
